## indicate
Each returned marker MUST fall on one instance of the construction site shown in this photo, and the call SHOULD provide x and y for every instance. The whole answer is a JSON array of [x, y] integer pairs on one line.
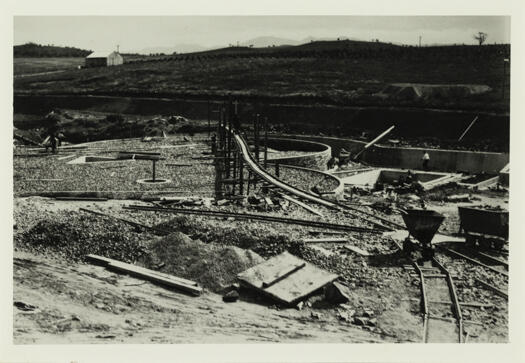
[[226, 229], [272, 179]]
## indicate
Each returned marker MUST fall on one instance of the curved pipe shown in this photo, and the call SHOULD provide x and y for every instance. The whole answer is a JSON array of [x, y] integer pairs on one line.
[[252, 163]]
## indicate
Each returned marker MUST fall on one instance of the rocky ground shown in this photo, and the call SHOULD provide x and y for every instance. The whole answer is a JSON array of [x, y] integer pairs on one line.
[[60, 298]]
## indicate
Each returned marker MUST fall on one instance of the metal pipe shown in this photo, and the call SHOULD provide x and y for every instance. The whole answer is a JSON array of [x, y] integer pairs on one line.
[[468, 128], [154, 161], [374, 141]]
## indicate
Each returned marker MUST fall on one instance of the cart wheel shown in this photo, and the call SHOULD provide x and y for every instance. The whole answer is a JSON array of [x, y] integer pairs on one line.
[[408, 246], [427, 253], [485, 243], [470, 241], [498, 244]]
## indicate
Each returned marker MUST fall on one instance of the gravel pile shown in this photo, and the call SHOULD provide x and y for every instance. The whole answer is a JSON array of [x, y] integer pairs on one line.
[[211, 265], [258, 237], [73, 236]]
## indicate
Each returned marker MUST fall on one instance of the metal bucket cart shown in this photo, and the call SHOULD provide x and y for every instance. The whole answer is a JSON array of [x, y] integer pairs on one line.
[[487, 228], [423, 224]]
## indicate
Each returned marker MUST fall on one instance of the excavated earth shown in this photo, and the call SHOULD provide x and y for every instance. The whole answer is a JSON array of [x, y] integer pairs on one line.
[[60, 298]]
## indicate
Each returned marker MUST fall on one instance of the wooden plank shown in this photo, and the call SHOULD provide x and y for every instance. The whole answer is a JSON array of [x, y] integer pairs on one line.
[[66, 157], [325, 240], [178, 164], [268, 201], [293, 287], [327, 232], [139, 153], [48, 180], [357, 250], [466, 304], [98, 260], [147, 274], [91, 199], [143, 270], [301, 204]]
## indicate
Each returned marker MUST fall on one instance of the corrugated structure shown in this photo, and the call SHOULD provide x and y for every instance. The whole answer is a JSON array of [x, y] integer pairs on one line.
[[103, 59]]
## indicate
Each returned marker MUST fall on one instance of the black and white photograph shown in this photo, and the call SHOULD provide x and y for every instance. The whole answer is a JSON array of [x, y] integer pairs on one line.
[[261, 179]]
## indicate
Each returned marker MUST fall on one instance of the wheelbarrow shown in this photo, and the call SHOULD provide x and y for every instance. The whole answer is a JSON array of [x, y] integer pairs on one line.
[[483, 227]]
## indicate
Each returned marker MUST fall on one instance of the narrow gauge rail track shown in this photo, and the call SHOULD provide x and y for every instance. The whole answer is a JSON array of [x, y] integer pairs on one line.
[[481, 259], [437, 285], [489, 263], [259, 217]]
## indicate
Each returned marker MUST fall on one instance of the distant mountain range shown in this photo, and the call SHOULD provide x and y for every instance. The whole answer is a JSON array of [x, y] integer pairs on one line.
[[258, 42], [37, 50], [181, 48]]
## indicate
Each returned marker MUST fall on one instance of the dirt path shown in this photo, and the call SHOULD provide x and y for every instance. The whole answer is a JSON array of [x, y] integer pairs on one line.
[[81, 303]]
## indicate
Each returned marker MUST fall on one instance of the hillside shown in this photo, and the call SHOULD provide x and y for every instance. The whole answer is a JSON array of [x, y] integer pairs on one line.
[[331, 72], [51, 51]]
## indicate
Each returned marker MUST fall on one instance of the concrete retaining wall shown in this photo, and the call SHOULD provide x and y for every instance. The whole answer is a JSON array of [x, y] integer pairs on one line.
[[410, 158], [337, 191], [318, 159]]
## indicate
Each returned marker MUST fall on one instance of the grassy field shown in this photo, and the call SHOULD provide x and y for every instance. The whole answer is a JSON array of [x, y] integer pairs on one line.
[[39, 65], [340, 77]]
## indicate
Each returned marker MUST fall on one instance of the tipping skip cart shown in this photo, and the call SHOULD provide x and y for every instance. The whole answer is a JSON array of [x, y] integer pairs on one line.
[[486, 227]]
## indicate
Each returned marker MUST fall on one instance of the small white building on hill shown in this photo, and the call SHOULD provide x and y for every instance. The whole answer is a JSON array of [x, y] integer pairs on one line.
[[104, 59]]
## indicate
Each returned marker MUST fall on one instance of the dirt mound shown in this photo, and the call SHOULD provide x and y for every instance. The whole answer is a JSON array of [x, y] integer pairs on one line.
[[258, 237], [158, 126], [412, 91], [211, 265], [75, 235]]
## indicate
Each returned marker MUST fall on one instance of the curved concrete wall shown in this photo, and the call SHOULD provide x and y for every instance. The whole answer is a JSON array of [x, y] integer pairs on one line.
[[337, 191], [318, 159], [410, 158]]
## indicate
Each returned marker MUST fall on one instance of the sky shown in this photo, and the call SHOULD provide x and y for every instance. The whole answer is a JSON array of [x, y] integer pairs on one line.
[[137, 33]]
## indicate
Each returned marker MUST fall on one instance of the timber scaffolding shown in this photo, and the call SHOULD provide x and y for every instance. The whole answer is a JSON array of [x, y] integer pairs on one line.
[[237, 170]]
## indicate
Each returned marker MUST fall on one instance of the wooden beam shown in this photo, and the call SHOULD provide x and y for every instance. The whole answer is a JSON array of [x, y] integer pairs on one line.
[[149, 275], [357, 250], [325, 240], [91, 199]]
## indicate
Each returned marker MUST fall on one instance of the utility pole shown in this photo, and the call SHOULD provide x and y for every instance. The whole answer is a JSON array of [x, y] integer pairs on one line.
[[505, 61], [229, 141], [265, 141], [256, 131], [209, 126]]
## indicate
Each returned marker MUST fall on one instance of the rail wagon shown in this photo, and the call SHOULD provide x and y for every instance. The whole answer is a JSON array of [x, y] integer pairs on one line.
[[484, 227]]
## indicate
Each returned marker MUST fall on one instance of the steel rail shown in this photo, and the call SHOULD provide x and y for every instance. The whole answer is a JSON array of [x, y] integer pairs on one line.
[[424, 302], [474, 261], [452, 292], [260, 217], [133, 223], [454, 298]]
